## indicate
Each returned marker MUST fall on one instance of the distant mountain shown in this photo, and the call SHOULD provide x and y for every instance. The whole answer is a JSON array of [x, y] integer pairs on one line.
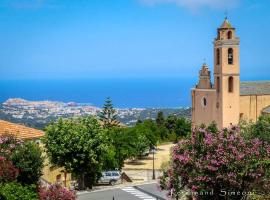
[[40, 113]]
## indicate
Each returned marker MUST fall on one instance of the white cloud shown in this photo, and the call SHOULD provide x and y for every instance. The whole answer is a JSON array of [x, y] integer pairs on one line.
[[196, 4]]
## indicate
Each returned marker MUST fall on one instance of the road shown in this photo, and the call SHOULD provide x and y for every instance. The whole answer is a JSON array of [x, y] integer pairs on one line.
[[139, 192]]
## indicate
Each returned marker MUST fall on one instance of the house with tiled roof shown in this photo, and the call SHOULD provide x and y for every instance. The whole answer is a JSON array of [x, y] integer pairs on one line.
[[20, 131], [227, 100], [51, 174]]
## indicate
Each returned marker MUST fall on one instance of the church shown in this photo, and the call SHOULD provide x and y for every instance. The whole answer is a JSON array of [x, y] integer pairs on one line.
[[227, 100]]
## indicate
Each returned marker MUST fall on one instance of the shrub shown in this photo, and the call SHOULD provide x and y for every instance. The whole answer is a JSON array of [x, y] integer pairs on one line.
[[29, 160], [209, 163], [8, 143], [7, 171], [15, 191], [56, 192]]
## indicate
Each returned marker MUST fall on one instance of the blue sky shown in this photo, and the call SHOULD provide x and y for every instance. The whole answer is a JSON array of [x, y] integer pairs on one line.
[[55, 39]]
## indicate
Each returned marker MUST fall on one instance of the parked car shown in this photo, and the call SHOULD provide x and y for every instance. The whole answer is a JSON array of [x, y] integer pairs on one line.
[[110, 177]]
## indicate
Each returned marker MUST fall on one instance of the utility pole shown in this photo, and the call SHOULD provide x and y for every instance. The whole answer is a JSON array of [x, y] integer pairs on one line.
[[153, 151]]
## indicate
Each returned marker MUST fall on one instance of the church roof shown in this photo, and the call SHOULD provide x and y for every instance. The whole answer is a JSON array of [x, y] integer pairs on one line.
[[266, 110], [226, 24], [255, 88]]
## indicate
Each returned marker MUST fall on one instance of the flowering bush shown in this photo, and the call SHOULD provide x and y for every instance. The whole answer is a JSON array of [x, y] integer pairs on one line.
[[8, 143], [220, 164], [7, 171], [56, 192]]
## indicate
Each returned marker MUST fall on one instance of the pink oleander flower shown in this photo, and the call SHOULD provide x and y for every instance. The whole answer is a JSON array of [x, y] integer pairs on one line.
[[209, 161]]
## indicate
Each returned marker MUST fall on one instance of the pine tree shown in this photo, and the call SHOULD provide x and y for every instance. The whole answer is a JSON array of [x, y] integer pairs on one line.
[[160, 118], [108, 114]]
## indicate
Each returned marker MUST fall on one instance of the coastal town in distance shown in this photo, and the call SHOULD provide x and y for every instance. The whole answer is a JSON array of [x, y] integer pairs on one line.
[[38, 114], [134, 100]]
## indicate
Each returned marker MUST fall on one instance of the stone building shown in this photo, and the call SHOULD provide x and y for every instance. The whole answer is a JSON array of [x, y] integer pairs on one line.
[[227, 100], [51, 174]]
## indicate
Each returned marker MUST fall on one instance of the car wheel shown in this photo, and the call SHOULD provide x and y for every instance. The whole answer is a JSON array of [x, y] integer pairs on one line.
[[112, 182]]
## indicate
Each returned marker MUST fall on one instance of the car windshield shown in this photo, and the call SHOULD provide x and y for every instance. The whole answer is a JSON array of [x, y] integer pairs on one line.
[[108, 174]]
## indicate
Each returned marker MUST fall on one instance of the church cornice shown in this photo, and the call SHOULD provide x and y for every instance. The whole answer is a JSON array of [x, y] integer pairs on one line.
[[226, 42], [227, 74]]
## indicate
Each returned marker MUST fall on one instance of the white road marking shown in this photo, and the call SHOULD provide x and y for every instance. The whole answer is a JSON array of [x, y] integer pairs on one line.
[[138, 193]]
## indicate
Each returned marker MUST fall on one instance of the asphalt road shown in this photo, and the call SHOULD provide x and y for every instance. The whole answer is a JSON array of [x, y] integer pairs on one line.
[[125, 193]]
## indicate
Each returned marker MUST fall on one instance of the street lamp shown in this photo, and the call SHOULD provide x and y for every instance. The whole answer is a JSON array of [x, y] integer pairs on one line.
[[153, 151]]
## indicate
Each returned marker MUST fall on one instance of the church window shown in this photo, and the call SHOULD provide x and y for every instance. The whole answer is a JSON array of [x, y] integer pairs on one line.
[[230, 56], [204, 102], [218, 84], [218, 56], [241, 116], [230, 84], [229, 35]]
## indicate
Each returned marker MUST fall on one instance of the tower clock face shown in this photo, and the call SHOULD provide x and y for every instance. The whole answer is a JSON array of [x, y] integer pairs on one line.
[[203, 102]]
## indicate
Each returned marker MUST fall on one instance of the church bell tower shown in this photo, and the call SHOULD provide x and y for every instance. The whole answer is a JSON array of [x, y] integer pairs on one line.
[[226, 75]]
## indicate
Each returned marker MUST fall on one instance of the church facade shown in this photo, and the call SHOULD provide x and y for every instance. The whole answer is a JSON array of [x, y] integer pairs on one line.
[[227, 100]]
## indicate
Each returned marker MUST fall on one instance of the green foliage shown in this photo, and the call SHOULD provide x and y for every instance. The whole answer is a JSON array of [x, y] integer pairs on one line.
[[15, 191], [123, 143], [29, 160], [139, 142], [177, 127], [260, 129], [79, 145], [149, 130], [160, 118], [182, 127], [108, 115], [212, 127]]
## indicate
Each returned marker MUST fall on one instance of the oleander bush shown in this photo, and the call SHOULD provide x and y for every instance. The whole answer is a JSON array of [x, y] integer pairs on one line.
[[218, 165], [8, 172], [56, 192]]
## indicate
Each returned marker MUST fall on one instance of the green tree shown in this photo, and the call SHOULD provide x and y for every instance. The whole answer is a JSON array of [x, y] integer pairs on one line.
[[29, 160], [160, 118], [79, 145], [182, 127], [108, 114], [170, 123], [150, 131], [259, 129], [123, 144]]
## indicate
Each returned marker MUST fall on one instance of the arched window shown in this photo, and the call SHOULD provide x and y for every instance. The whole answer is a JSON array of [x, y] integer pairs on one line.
[[218, 56], [229, 35], [230, 56], [218, 84], [230, 84], [203, 101]]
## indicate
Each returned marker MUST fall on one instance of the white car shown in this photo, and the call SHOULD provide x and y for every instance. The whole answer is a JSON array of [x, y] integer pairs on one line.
[[110, 177]]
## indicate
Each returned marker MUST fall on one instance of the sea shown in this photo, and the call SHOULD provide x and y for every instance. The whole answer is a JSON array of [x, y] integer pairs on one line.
[[124, 92]]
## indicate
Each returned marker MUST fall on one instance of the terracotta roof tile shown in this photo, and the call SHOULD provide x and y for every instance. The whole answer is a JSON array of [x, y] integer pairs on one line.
[[226, 24], [20, 131], [255, 88]]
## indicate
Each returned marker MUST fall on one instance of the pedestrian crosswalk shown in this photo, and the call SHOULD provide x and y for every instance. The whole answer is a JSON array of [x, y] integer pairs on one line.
[[138, 193]]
